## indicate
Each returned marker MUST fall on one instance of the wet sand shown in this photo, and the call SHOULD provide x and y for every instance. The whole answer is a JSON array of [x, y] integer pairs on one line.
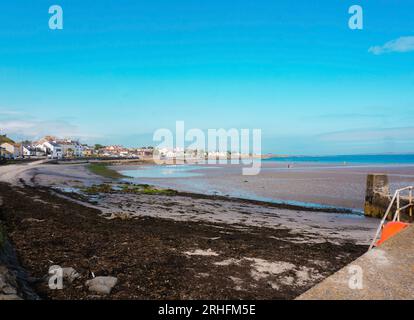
[[332, 185]]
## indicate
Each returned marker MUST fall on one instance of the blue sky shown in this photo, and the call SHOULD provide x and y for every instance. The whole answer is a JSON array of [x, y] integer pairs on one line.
[[121, 69]]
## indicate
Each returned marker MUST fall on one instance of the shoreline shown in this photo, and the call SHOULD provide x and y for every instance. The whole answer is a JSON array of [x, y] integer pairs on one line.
[[303, 185], [71, 178], [311, 207], [111, 173], [231, 248]]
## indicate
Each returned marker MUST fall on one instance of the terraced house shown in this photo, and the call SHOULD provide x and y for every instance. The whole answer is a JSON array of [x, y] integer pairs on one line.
[[12, 150], [60, 148], [71, 148]]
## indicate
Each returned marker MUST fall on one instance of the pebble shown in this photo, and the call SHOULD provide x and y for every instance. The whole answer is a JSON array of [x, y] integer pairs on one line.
[[121, 216], [7, 285], [32, 220], [70, 274], [101, 285]]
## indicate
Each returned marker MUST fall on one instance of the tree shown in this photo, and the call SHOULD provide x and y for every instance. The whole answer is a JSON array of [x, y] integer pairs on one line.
[[99, 146], [4, 138], [26, 142], [70, 152]]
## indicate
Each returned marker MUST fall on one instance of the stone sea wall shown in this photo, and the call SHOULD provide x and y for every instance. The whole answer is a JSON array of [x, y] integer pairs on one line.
[[378, 198], [377, 195]]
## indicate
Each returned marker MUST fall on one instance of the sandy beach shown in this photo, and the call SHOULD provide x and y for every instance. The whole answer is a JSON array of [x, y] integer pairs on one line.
[[172, 245], [326, 184], [193, 206]]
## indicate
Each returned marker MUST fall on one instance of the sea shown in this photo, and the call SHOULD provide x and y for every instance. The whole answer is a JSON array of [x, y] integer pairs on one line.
[[391, 159]]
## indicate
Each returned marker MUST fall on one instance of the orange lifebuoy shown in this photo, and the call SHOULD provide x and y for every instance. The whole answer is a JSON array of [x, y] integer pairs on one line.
[[390, 230]]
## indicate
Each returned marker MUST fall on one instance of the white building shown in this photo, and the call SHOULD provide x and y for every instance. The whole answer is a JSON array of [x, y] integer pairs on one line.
[[60, 148], [28, 151], [51, 149], [71, 148], [32, 151], [171, 153]]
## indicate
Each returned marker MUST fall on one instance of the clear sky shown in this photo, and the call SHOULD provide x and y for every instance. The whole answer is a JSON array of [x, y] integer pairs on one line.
[[121, 69]]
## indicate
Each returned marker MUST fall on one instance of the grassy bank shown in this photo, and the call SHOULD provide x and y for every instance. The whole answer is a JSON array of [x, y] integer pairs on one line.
[[102, 169]]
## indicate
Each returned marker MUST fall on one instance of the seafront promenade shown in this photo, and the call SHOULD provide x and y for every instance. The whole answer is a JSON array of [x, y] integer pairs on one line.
[[387, 273]]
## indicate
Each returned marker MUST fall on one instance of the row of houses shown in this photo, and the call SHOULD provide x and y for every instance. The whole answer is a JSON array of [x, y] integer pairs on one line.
[[67, 148], [117, 151], [54, 148], [46, 148], [171, 153], [57, 149]]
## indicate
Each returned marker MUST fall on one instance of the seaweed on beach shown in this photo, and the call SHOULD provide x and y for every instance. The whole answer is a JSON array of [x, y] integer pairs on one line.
[[127, 188], [102, 169], [98, 188], [146, 189], [156, 258]]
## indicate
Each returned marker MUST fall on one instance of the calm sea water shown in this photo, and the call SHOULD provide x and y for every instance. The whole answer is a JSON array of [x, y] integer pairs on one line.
[[171, 176], [167, 171], [187, 171], [360, 159]]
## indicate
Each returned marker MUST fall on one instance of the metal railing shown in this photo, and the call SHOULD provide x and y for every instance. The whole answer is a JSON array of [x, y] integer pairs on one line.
[[397, 214]]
